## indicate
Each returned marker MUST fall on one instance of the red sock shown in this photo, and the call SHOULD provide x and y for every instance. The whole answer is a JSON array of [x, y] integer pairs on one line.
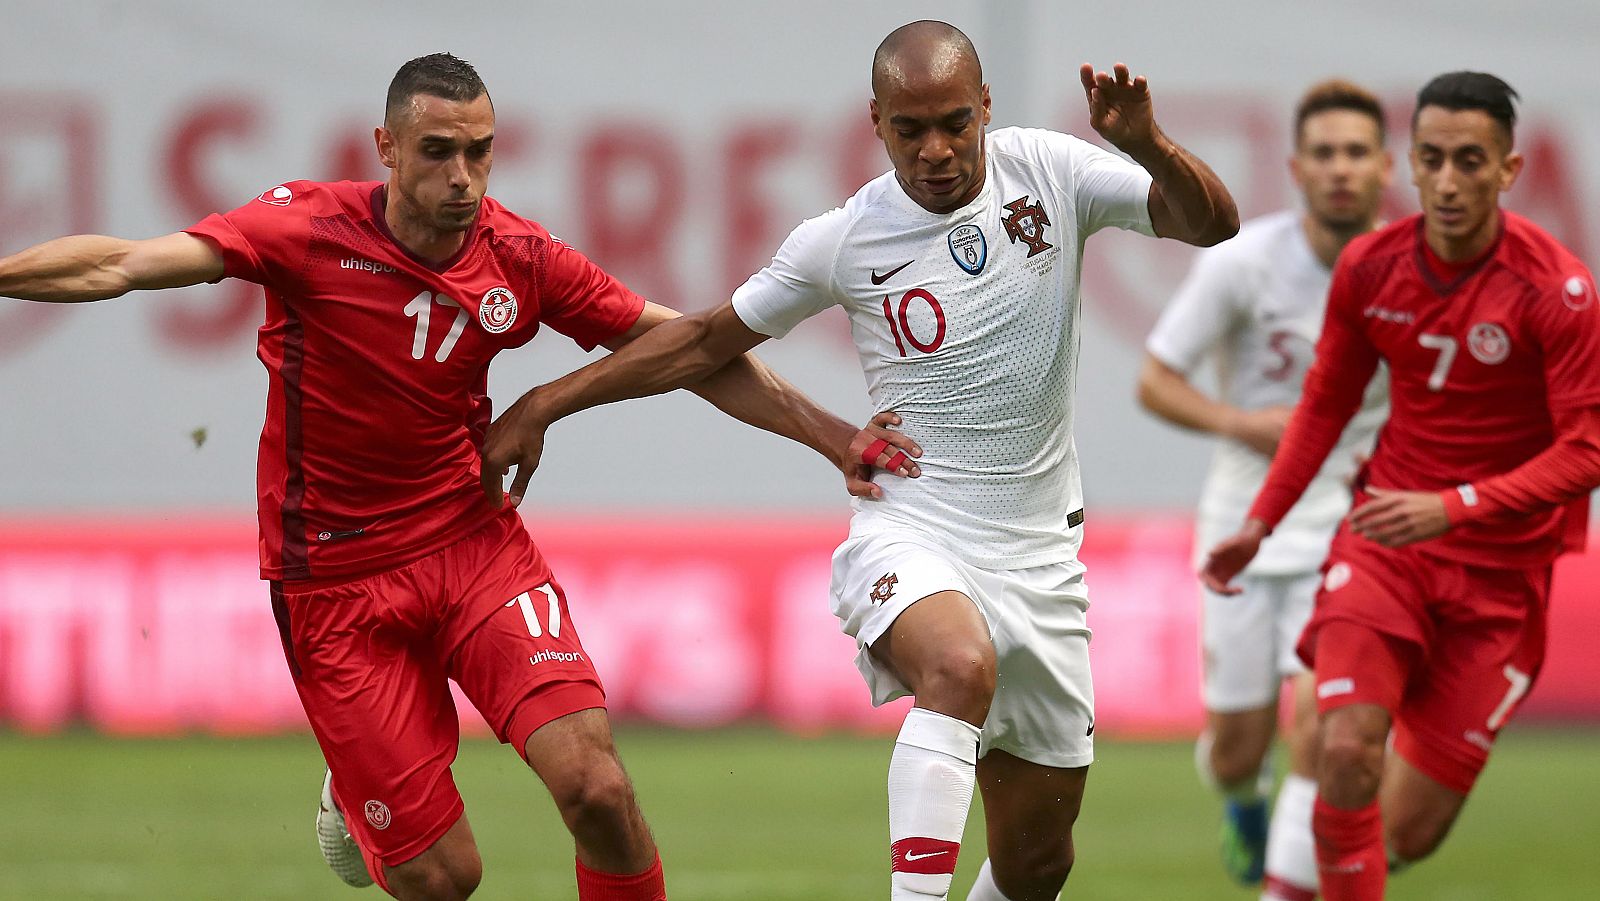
[[594, 885], [1350, 857]]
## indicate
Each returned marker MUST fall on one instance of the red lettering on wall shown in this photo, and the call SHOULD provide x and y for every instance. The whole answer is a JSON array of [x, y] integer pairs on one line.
[[752, 224], [38, 203], [630, 204], [1547, 191], [219, 319], [861, 154]]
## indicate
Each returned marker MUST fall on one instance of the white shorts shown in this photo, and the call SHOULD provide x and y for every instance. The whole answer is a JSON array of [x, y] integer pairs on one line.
[[1248, 640], [1043, 708]]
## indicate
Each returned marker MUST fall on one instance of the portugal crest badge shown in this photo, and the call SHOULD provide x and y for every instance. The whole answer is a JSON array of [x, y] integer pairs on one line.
[[968, 248], [1027, 224]]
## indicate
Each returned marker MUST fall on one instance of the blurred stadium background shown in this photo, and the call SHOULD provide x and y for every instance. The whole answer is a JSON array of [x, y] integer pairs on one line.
[[150, 742]]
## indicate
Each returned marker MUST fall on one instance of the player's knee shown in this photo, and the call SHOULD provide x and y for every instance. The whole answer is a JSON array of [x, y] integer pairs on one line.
[[1038, 872], [597, 797], [1350, 766], [959, 682], [438, 879]]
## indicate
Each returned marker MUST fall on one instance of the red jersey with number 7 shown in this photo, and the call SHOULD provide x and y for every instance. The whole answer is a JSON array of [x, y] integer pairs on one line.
[[1485, 360], [378, 364]]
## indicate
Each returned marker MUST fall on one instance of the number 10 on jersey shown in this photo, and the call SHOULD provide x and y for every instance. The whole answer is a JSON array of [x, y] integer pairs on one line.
[[900, 324]]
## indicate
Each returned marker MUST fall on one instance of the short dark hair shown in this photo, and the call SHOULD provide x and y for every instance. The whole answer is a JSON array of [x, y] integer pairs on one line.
[[436, 75], [1471, 91], [1338, 94]]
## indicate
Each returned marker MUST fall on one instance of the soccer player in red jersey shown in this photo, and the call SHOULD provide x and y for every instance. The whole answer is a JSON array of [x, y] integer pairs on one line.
[[390, 571], [1431, 616]]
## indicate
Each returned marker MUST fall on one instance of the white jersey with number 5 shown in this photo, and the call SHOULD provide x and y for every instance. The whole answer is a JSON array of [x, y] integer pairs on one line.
[[967, 326], [1257, 302]]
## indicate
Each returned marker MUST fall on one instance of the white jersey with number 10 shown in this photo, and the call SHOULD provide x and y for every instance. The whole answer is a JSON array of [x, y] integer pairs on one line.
[[967, 326]]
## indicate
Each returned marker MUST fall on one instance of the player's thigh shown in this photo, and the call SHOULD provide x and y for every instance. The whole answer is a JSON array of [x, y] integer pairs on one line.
[[1043, 710], [1239, 648], [1029, 811], [509, 635], [1486, 652], [380, 706], [877, 578], [524, 665]]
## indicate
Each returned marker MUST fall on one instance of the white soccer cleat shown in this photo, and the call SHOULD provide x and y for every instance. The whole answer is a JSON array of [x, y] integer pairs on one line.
[[338, 848]]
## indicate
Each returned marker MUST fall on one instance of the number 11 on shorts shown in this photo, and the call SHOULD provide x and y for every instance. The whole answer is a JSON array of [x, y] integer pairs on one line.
[[525, 601]]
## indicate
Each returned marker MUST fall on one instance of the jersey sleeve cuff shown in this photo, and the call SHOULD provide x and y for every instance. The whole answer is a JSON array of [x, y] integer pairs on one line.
[[1461, 503]]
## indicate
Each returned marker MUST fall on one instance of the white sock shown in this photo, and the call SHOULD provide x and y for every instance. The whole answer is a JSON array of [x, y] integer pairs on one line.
[[1291, 850], [985, 889], [931, 776]]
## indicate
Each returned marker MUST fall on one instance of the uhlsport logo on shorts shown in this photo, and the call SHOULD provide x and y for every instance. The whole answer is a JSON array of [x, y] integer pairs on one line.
[[1338, 576], [498, 310], [378, 814]]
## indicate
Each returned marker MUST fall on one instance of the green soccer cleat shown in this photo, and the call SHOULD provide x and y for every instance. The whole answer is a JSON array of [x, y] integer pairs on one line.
[[338, 848], [1244, 841]]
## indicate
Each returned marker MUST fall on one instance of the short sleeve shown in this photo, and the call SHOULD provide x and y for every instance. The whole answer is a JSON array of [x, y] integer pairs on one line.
[[798, 283], [1197, 317], [259, 238], [1566, 324], [1108, 191], [583, 301]]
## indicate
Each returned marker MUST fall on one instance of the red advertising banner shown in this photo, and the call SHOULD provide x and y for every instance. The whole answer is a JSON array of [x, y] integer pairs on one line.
[[160, 625]]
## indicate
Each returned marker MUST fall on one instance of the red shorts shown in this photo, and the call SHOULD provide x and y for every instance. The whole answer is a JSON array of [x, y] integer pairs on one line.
[[1449, 649], [371, 658]]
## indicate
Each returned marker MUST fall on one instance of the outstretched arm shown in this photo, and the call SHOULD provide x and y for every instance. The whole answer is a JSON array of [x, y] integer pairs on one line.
[[1187, 200], [663, 352], [95, 267]]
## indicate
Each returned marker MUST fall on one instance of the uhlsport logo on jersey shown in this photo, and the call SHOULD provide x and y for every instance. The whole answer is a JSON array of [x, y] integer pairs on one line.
[[279, 196], [378, 814], [1027, 224], [1489, 343], [498, 310], [968, 248]]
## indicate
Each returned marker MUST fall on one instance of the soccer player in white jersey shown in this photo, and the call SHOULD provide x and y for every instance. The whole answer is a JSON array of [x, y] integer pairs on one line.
[[1256, 304], [959, 271]]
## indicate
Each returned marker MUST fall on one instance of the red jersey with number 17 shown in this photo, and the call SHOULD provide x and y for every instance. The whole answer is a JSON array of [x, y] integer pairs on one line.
[[378, 366], [1483, 362]]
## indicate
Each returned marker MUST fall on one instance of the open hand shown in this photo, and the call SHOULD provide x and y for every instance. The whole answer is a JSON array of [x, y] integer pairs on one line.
[[1119, 105], [1229, 558], [1398, 518], [878, 446], [516, 438]]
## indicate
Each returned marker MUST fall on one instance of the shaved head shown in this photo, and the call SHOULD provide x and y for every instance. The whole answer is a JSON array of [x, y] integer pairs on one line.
[[924, 51]]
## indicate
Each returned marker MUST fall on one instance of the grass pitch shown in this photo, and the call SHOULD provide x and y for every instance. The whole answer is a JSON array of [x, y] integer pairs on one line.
[[740, 814]]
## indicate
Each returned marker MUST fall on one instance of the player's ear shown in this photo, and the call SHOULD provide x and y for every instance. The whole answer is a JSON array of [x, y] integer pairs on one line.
[[1509, 170], [385, 141], [985, 104]]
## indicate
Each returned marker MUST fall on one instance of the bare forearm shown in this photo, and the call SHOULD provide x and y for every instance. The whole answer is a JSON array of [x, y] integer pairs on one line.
[[1180, 403], [1198, 208], [671, 355], [67, 270], [749, 391]]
